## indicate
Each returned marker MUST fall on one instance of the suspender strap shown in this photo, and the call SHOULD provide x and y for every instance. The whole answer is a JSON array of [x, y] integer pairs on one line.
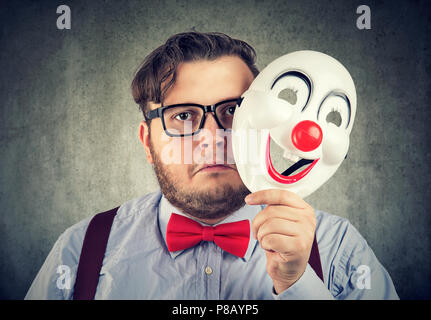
[[314, 260], [92, 254]]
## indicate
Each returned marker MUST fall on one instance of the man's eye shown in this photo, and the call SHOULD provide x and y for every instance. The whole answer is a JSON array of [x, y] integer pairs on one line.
[[230, 110], [183, 116]]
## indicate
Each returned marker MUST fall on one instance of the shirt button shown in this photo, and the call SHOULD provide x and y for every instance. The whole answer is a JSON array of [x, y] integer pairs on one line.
[[208, 271]]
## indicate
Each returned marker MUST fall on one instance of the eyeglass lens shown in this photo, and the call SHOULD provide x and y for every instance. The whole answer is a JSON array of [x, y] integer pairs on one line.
[[188, 119]]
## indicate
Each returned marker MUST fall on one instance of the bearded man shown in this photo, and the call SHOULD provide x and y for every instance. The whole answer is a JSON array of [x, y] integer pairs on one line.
[[203, 235]]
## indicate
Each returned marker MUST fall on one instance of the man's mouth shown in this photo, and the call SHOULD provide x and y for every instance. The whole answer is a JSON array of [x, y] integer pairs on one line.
[[214, 168], [293, 173]]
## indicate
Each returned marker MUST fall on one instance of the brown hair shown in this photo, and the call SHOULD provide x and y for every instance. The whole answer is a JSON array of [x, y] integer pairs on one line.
[[162, 63]]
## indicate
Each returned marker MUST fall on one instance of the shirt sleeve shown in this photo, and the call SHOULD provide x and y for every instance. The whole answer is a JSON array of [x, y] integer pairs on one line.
[[358, 274], [351, 271], [56, 278], [308, 287]]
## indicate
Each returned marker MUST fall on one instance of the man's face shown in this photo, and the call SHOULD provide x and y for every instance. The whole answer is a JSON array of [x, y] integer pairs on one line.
[[196, 173]]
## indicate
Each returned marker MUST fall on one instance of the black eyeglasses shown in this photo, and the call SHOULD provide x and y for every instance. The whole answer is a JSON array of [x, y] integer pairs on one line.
[[187, 119]]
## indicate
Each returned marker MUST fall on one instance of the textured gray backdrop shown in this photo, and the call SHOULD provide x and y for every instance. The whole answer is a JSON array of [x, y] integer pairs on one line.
[[69, 127]]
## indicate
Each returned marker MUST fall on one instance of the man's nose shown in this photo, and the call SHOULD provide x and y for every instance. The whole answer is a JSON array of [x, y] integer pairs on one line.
[[211, 125]]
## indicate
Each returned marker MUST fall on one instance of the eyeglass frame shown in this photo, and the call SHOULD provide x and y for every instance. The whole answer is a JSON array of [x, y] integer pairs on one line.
[[158, 113]]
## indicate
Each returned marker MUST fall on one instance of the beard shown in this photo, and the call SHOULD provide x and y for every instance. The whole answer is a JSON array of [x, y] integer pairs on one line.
[[214, 203]]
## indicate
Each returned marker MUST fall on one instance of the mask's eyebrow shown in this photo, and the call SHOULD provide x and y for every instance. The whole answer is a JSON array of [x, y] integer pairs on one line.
[[296, 74]]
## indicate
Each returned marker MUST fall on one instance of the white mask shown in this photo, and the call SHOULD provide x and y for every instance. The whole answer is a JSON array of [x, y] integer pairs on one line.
[[312, 125]]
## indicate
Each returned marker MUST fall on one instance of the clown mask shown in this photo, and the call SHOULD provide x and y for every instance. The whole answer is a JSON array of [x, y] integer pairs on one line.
[[304, 102]]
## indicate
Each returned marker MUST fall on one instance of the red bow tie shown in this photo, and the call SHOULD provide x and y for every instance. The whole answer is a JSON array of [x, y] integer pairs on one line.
[[183, 233]]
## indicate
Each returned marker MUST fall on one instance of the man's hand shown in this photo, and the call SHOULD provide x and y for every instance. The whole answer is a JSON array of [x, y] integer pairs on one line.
[[285, 230]]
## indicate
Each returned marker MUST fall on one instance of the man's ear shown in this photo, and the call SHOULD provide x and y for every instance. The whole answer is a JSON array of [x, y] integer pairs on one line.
[[144, 136]]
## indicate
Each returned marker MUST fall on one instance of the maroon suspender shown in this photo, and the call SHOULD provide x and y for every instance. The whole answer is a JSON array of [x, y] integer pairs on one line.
[[93, 252], [314, 260]]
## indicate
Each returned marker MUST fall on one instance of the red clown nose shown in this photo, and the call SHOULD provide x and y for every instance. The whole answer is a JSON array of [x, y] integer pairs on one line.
[[307, 135]]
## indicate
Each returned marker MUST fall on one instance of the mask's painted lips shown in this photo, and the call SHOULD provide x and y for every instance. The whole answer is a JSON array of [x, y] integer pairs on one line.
[[284, 178]]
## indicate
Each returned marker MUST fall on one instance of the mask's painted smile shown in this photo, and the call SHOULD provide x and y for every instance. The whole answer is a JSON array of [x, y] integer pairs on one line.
[[284, 177]]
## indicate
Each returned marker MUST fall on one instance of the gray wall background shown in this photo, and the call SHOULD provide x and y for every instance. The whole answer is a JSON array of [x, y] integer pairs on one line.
[[69, 127]]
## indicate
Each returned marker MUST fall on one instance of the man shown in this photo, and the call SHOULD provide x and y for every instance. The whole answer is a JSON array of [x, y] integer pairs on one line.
[[186, 88]]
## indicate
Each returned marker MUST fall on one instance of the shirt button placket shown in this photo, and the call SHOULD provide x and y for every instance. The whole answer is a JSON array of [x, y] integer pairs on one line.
[[212, 272]]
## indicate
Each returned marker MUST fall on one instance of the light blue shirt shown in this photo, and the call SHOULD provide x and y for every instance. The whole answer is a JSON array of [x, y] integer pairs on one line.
[[138, 265]]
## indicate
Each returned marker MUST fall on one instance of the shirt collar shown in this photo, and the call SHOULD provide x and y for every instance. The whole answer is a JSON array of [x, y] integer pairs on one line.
[[245, 213]]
